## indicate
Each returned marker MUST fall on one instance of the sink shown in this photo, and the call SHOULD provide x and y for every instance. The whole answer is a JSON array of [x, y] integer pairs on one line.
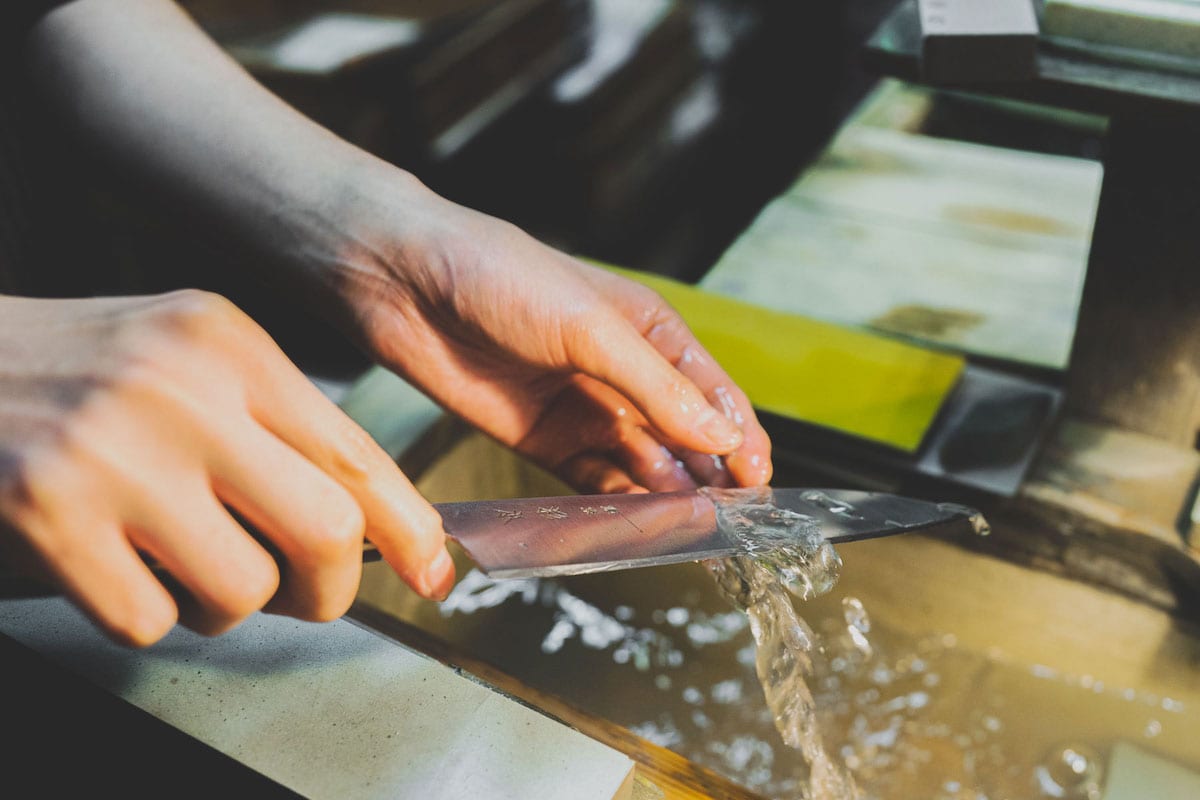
[[981, 678]]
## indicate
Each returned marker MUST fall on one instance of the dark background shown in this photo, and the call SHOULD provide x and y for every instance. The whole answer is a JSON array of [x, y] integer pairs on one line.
[[760, 84]]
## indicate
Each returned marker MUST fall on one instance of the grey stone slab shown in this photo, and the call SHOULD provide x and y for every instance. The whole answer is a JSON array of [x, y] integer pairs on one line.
[[332, 710]]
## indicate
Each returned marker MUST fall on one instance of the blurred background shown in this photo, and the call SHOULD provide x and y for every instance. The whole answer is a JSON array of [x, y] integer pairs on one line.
[[643, 133]]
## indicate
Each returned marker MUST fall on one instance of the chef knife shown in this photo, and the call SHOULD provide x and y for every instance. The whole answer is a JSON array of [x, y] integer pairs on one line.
[[546, 536]]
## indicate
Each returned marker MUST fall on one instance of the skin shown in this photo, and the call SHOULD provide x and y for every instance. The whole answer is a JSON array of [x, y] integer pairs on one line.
[[166, 429]]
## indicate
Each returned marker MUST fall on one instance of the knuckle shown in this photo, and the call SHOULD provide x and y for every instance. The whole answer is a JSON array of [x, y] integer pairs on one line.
[[648, 299], [149, 368], [256, 583], [228, 610], [16, 481], [188, 305], [355, 456], [429, 528], [644, 305], [665, 325], [34, 477], [587, 329], [138, 373], [331, 607], [340, 535], [194, 314], [142, 625], [428, 537]]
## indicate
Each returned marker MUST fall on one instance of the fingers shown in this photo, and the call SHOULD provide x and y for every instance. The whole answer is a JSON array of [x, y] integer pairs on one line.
[[590, 472], [225, 576], [608, 348], [310, 520], [651, 464], [402, 524], [708, 469], [750, 464], [669, 335], [104, 576], [593, 438], [140, 428]]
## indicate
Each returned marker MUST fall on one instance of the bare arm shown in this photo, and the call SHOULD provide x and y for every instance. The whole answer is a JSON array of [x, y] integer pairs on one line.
[[149, 92]]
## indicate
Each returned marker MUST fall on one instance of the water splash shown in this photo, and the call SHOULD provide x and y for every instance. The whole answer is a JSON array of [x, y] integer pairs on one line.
[[787, 553], [788, 544], [574, 619], [858, 625]]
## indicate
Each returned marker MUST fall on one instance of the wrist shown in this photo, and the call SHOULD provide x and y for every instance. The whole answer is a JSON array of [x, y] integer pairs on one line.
[[352, 223]]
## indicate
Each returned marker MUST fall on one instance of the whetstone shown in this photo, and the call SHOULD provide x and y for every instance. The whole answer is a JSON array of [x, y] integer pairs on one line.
[[966, 41], [1156, 27], [333, 711]]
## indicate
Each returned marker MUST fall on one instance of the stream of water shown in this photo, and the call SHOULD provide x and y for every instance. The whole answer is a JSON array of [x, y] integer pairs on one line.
[[790, 557]]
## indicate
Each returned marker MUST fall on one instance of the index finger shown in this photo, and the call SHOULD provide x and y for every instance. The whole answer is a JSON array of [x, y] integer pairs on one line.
[[666, 331], [399, 521]]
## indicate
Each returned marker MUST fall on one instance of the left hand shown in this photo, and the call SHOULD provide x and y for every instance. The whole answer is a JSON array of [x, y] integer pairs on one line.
[[591, 375]]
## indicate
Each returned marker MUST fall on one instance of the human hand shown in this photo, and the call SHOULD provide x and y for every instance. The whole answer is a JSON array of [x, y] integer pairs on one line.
[[132, 427], [591, 375]]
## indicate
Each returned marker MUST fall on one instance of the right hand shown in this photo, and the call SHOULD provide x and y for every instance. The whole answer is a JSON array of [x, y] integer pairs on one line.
[[130, 428]]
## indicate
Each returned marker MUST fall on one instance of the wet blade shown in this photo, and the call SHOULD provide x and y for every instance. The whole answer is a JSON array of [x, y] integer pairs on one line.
[[534, 537]]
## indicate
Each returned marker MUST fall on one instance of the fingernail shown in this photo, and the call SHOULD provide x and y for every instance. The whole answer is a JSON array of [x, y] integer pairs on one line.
[[439, 576], [720, 431]]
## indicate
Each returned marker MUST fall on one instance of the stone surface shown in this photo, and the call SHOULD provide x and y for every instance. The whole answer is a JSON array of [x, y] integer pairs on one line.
[[333, 710]]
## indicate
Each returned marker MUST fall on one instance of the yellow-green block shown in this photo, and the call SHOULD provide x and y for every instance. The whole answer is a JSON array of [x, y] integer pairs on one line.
[[852, 381]]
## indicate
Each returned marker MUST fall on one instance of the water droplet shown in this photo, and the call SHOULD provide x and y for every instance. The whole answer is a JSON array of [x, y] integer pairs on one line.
[[974, 518], [832, 504], [677, 617], [1073, 771], [858, 624]]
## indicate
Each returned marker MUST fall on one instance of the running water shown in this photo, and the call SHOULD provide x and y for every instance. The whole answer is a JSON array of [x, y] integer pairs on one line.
[[873, 697], [788, 554]]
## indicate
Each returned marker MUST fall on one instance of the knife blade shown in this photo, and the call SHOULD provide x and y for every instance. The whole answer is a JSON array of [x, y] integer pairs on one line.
[[548, 536]]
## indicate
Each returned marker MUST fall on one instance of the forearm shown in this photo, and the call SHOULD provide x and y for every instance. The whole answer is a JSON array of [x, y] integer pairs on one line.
[[153, 96]]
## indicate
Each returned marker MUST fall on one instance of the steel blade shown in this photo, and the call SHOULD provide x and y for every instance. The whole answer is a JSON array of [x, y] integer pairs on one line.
[[546, 536]]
